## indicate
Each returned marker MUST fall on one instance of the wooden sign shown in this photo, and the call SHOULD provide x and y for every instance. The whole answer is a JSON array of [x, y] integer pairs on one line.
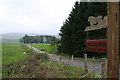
[[97, 45], [97, 23]]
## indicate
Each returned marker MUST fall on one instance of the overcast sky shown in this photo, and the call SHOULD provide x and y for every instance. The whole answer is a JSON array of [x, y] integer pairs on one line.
[[34, 16]]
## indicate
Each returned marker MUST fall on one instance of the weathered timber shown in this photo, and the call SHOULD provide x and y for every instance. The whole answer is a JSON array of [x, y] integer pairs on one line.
[[86, 65], [113, 40], [97, 23]]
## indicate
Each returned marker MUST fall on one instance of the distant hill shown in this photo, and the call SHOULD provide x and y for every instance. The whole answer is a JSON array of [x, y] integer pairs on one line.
[[14, 37]]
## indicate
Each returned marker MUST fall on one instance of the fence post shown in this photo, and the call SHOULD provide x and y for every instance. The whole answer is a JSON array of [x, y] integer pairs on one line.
[[72, 57], [68, 60], [86, 65], [104, 68], [46, 56], [93, 66], [31, 49], [60, 59]]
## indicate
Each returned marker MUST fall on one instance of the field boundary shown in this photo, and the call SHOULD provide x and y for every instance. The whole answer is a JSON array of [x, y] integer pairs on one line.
[[69, 61]]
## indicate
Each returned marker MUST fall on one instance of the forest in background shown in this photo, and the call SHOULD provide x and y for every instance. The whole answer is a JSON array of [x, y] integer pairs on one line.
[[38, 39]]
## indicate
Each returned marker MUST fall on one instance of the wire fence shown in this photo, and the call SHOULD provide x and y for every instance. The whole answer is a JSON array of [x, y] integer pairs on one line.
[[101, 74], [70, 61]]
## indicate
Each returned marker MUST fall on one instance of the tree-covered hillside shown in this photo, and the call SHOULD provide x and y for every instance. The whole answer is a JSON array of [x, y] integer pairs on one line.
[[73, 35]]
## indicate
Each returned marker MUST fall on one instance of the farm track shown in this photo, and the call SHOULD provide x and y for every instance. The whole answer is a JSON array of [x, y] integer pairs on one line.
[[70, 62]]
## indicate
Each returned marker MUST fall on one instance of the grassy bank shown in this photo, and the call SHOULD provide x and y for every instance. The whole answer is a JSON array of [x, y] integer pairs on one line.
[[38, 66], [12, 52], [20, 62]]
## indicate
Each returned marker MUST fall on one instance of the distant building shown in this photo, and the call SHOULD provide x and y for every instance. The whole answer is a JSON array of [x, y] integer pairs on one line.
[[44, 39]]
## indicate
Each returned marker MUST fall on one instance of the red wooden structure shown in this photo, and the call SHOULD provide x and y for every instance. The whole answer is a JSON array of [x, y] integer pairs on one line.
[[97, 45]]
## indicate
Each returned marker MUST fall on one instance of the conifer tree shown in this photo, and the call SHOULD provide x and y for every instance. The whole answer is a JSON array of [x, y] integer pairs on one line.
[[73, 35]]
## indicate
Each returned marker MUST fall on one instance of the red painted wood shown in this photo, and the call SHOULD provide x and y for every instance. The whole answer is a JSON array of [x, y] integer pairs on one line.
[[97, 45]]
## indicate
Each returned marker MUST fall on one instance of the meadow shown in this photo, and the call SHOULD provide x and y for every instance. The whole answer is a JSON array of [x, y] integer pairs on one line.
[[12, 52], [45, 46]]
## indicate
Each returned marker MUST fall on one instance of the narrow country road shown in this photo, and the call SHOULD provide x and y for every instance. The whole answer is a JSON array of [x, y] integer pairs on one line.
[[80, 63]]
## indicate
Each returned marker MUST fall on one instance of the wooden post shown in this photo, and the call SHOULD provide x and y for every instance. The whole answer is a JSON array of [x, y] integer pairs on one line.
[[93, 66], [68, 61], [31, 46], [113, 40], [104, 68], [60, 60], [86, 66], [72, 57], [31, 49], [46, 55]]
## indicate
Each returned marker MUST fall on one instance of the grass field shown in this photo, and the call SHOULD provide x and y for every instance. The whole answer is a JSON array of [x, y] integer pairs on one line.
[[44, 46], [12, 52]]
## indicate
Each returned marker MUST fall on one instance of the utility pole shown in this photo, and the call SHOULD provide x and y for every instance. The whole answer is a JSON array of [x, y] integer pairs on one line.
[[113, 38]]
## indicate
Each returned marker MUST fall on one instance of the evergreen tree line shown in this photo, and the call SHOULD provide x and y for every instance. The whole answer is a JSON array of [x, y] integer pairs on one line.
[[73, 35], [38, 39]]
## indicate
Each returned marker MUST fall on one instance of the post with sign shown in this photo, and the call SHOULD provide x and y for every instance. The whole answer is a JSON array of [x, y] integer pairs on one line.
[[98, 45], [113, 40], [110, 45]]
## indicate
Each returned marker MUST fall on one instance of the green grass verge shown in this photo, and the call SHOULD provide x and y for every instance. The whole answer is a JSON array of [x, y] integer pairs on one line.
[[38, 66], [12, 52], [64, 70]]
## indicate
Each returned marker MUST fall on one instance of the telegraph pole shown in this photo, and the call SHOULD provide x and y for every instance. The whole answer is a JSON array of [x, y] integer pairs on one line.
[[113, 38]]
